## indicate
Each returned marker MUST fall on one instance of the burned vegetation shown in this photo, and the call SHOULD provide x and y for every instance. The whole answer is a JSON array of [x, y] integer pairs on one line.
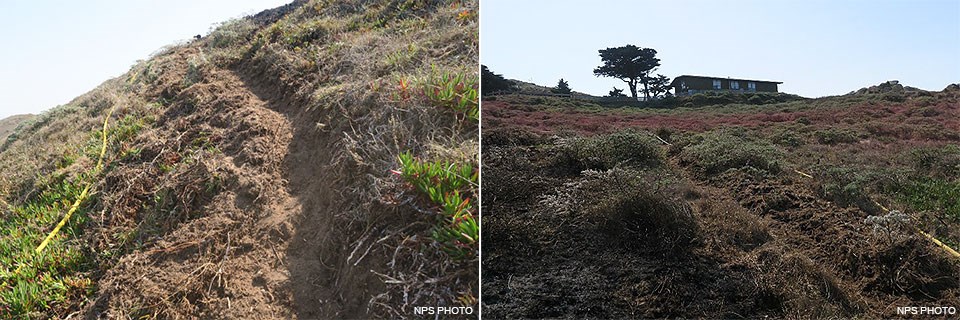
[[819, 208]]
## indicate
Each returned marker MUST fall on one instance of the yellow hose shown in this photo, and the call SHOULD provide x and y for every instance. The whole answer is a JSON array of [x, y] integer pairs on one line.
[[945, 247], [939, 243], [83, 195]]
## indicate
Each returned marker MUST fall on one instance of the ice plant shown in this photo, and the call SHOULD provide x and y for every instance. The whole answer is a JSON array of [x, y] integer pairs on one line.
[[444, 184], [455, 91]]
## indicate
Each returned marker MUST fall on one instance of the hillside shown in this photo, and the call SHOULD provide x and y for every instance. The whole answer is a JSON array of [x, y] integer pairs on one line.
[[716, 207], [250, 174], [534, 89], [9, 124]]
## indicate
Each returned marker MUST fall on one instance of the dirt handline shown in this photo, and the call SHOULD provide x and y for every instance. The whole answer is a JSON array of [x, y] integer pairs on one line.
[[323, 283], [812, 228]]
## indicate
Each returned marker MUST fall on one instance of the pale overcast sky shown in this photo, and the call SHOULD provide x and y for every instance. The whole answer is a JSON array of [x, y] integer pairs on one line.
[[816, 47], [54, 51]]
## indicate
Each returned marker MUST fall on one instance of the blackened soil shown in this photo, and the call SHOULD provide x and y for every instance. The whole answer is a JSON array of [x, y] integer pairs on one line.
[[766, 246]]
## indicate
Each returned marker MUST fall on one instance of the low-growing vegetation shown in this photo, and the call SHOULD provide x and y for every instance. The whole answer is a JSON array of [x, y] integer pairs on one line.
[[45, 265], [449, 187], [716, 152], [937, 196], [604, 152], [458, 92], [835, 136]]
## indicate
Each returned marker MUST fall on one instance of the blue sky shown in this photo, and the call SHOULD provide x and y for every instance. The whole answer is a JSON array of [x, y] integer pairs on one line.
[[817, 48], [54, 51]]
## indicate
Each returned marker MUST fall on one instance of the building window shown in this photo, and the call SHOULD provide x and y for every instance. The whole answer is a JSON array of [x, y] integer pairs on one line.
[[752, 86], [735, 85], [716, 84]]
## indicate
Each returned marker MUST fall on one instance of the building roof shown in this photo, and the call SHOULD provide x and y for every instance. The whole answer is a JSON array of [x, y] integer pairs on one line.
[[728, 78]]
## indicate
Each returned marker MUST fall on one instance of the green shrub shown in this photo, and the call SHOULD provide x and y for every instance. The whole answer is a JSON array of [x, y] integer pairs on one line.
[[665, 133], [854, 185], [194, 74], [227, 42], [510, 136], [711, 98], [719, 151], [603, 152], [787, 138], [724, 98], [941, 162], [493, 83], [835, 136], [893, 97], [302, 34], [846, 185], [231, 33], [925, 101]]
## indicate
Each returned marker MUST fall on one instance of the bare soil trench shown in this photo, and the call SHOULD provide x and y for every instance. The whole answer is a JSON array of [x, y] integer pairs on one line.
[[274, 242]]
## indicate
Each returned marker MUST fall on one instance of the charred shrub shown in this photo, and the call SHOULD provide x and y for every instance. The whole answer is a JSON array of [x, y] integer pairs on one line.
[[719, 151], [906, 268], [797, 283], [641, 210], [728, 223], [604, 152], [510, 175]]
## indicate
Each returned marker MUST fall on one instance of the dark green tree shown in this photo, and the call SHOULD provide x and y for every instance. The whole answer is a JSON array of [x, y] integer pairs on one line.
[[629, 63], [562, 87], [616, 92], [659, 85], [491, 82]]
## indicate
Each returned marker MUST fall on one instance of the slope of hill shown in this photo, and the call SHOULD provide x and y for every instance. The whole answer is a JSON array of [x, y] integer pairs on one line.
[[810, 208], [532, 88], [10, 124], [247, 174]]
